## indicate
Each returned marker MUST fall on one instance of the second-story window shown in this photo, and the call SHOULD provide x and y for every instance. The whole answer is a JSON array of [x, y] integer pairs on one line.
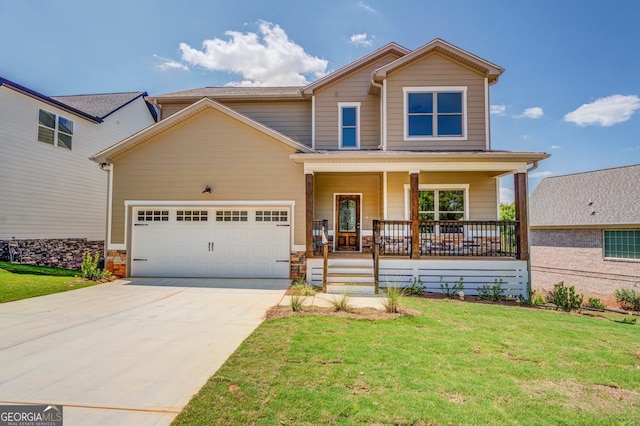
[[349, 125], [435, 112], [54, 129]]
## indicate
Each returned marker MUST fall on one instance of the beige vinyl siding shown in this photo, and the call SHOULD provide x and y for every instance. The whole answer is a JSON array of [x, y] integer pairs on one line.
[[49, 192], [367, 184], [240, 164], [483, 199], [352, 88], [292, 119], [436, 70]]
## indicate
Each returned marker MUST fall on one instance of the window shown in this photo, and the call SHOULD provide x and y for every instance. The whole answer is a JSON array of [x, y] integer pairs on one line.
[[440, 202], [231, 216], [622, 244], [272, 216], [435, 112], [153, 215], [54, 129], [192, 216], [349, 125]]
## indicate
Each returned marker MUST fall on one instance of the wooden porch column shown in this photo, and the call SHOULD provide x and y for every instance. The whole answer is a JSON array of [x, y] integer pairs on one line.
[[309, 213], [415, 224], [520, 195]]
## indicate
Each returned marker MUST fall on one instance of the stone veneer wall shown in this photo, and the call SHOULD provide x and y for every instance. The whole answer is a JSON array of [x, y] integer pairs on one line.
[[60, 253], [298, 265], [577, 258], [117, 262]]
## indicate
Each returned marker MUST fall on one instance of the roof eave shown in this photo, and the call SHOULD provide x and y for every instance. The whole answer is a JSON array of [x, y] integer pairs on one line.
[[46, 99], [107, 155]]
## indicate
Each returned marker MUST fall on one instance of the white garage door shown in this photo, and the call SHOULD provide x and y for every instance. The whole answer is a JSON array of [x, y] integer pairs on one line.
[[211, 242]]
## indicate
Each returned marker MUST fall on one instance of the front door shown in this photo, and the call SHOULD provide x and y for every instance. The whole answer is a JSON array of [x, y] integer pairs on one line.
[[347, 222]]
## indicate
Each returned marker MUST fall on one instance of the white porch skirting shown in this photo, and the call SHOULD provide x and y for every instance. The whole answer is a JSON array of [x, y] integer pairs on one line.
[[511, 274]]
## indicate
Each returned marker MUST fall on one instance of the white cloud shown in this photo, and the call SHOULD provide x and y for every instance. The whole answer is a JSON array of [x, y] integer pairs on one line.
[[506, 195], [544, 174], [361, 40], [170, 64], [269, 58], [533, 113], [555, 146], [605, 112], [498, 109], [367, 7]]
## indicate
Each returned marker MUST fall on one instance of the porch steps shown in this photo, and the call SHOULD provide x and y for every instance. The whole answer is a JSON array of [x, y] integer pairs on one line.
[[351, 276]]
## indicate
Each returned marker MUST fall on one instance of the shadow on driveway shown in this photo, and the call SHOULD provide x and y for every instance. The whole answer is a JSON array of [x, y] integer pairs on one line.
[[221, 283]]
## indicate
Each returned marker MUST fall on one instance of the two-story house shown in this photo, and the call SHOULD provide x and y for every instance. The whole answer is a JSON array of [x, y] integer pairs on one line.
[[52, 197], [390, 154]]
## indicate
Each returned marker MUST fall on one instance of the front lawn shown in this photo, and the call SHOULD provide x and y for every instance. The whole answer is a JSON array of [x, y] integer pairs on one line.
[[455, 363], [23, 281]]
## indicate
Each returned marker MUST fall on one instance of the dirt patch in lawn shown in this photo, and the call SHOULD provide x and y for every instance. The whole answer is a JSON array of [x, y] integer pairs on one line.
[[575, 395], [354, 313]]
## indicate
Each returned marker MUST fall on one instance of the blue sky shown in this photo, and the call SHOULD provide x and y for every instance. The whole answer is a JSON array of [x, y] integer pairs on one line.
[[571, 86]]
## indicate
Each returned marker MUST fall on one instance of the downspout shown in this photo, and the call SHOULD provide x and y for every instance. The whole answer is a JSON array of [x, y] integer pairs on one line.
[[380, 86], [106, 167], [529, 290]]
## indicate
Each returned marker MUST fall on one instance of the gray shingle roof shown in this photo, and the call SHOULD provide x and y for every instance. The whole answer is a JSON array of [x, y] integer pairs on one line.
[[236, 92], [99, 105], [600, 197]]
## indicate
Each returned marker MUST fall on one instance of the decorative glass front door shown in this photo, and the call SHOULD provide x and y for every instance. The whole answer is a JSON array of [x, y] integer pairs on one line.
[[348, 222]]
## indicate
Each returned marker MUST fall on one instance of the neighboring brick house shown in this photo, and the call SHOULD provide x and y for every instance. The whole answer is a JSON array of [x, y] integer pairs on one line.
[[585, 231]]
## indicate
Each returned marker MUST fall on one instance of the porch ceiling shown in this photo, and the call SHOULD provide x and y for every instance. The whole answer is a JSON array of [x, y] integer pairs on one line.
[[499, 162]]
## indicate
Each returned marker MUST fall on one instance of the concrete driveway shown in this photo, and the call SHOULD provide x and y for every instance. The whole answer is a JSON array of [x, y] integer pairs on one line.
[[131, 352]]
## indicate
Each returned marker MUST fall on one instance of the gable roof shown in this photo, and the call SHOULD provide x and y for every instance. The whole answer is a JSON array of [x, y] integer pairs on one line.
[[183, 115], [100, 105], [490, 70], [600, 197], [355, 65]]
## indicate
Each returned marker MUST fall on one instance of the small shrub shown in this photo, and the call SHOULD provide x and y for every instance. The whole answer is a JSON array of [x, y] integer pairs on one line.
[[90, 271], [391, 302], [452, 292], [566, 298], [628, 299], [494, 293], [595, 303], [629, 319], [342, 303], [296, 302], [416, 287], [300, 287], [537, 298]]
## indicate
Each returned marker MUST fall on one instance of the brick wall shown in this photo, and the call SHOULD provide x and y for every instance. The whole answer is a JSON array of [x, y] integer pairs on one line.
[[60, 253], [576, 257]]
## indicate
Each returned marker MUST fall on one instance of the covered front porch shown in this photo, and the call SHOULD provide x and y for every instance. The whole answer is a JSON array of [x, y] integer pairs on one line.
[[428, 219]]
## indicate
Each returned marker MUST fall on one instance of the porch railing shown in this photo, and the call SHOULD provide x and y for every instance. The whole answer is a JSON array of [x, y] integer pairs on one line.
[[448, 238], [320, 228]]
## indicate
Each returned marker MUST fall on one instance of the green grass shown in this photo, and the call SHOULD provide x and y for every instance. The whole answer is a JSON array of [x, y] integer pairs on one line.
[[24, 281], [457, 363]]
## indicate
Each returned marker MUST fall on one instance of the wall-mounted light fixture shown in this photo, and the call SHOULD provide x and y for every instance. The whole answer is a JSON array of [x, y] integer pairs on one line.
[[207, 190]]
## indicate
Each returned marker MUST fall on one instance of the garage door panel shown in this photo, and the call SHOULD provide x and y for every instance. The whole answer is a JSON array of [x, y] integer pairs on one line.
[[211, 242]]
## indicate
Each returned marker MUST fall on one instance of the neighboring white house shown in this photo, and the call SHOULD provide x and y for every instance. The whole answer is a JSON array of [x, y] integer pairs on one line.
[[52, 197]]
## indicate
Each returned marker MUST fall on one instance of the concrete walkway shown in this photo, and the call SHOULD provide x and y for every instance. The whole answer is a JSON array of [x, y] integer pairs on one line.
[[131, 352]]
